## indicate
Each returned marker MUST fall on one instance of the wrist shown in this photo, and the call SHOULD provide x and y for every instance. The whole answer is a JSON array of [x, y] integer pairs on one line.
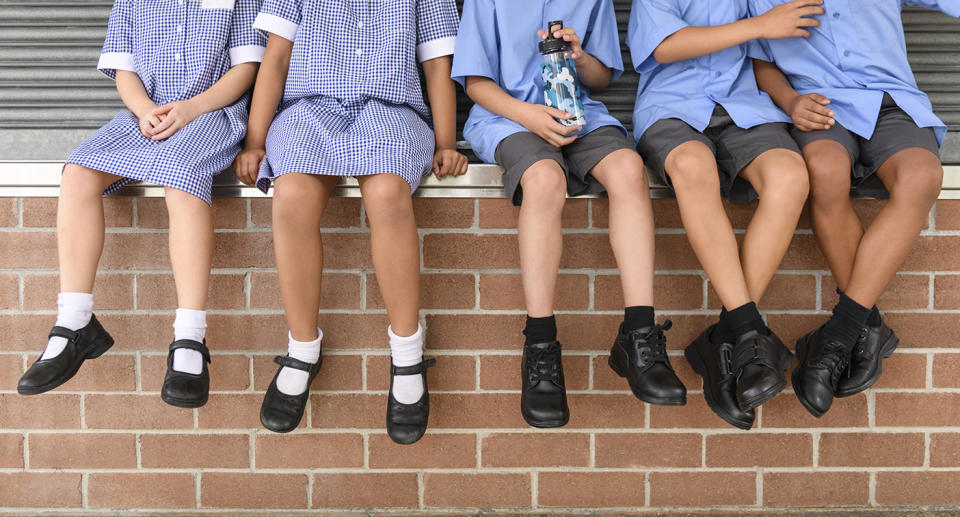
[[144, 110], [755, 26]]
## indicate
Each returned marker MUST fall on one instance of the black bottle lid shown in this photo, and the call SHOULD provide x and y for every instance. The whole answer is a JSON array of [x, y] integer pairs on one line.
[[552, 44]]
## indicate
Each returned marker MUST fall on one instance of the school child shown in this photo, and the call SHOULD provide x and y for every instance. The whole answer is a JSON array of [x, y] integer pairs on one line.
[[702, 125], [860, 120], [182, 69], [499, 63], [345, 78]]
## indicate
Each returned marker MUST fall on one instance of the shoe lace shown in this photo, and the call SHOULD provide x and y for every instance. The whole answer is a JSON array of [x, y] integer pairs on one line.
[[834, 358], [654, 347], [544, 364]]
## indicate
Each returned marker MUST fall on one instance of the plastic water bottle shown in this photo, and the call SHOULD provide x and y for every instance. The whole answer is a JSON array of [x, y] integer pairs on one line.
[[561, 87]]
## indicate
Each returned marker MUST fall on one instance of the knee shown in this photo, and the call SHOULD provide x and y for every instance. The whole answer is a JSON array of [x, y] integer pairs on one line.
[[81, 182], [544, 186], [628, 177], [920, 187], [829, 178], [691, 173], [785, 182], [387, 198], [290, 205]]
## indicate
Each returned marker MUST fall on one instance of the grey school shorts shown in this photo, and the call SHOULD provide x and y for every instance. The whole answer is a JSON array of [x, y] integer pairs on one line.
[[895, 132], [519, 151], [733, 146]]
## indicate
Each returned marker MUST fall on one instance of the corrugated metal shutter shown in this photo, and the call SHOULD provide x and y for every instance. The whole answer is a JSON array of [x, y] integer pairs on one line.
[[51, 96]]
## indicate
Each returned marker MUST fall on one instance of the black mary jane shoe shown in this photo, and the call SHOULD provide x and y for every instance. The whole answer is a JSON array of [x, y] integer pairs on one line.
[[715, 364], [873, 346], [182, 389], [760, 361], [281, 413], [543, 401], [90, 342], [406, 423], [640, 356]]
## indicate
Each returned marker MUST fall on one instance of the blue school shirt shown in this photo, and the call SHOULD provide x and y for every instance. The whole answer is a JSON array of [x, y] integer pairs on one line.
[[856, 54], [498, 39], [689, 90]]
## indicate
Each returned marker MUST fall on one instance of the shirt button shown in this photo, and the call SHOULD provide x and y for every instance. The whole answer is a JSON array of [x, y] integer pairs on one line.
[[836, 15], [717, 74], [846, 52]]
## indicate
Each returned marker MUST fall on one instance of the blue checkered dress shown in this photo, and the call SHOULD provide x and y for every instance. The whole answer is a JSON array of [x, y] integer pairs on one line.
[[179, 48], [353, 104]]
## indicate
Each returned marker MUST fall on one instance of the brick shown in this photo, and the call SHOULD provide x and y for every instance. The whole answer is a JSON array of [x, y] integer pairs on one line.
[[437, 291], [25, 331], [536, 450], [111, 291], [432, 451], [28, 249], [337, 291], [695, 414], [918, 488], [786, 411], [933, 254], [451, 373], [703, 488], [231, 411], [816, 489], [637, 450], [42, 212], [225, 291], [33, 489], [791, 327], [591, 489], [291, 451], [587, 250], [904, 371], [337, 373], [129, 251], [140, 490], [760, 450], [502, 372], [871, 449], [472, 331], [604, 411], [469, 251], [948, 215], [443, 213], [917, 409], [353, 490], [666, 213], [500, 213], [480, 411], [945, 368], [505, 292], [340, 331], [905, 292], [11, 368], [9, 292], [226, 213], [674, 253], [52, 411], [243, 250], [476, 490], [106, 373], [944, 450], [8, 212], [605, 379], [247, 490], [785, 292], [353, 411], [219, 450], [804, 253], [83, 451], [11, 451], [134, 412], [946, 292], [140, 332], [228, 372], [339, 213], [673, 292], [588, 332]]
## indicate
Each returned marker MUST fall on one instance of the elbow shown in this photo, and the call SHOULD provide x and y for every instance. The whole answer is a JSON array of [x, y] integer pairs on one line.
[[471, 86], [663, 56]]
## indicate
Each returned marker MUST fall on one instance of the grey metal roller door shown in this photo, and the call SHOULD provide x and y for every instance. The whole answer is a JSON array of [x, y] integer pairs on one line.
[[51, 96]]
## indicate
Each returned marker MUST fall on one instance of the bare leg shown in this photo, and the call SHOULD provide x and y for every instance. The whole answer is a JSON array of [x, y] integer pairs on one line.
[[540, 234], [191, 247], [80, 226]]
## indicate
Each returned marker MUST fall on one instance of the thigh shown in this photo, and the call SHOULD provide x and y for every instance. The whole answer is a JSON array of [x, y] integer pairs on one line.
[[75, 176], [587, 154], [743, 156], [895, 133]]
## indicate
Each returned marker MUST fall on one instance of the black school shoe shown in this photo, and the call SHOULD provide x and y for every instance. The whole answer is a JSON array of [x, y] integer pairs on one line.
[[406, 423], [816, 378], [90, 342], [640, 356], [182, 389], [715, 364], [874, 345], [760, 360], [543, 401], [279, 412]]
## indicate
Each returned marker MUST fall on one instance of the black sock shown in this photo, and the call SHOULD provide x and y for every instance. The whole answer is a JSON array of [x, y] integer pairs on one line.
[[541, 330], [739, 321], [849, 317], [637, 317], [875, 320], [716, 336]]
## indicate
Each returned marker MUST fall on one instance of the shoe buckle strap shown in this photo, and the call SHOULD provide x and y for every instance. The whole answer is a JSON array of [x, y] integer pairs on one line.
[[190, 344], [420, 367], [296, 364], [64, 332], [726, 361]]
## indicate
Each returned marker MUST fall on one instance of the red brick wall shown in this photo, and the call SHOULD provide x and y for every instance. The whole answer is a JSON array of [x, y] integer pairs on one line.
[[105, 440]]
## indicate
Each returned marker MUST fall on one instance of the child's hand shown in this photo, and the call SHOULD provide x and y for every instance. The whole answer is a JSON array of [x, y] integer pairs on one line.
[[787, 20], [809, 112], [540, 120], [570, 36], [175, 115], [247, 165], [147, 123], [449, 162]]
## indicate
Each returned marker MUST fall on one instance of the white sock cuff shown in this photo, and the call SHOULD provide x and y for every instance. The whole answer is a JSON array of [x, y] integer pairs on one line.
[[406, 351], [308, 351], [315, 342], [75, 301], [416, 337], [191, 318]]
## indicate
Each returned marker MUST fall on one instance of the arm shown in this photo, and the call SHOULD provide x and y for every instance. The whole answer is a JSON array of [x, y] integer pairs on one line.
[[590, 70], [266, 97], [443, 104], [537, 118], [135, 98], [783, 21], [809, 112]]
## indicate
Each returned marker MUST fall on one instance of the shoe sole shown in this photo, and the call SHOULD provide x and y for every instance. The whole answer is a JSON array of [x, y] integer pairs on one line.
[[93, 354], [885, 351], [786, 359], [183, 403], [659, 401], [547, 424], [693, 357], [794, 379]]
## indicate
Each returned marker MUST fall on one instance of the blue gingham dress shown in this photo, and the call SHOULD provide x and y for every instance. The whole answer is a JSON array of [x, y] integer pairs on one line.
[[179, 48], [353, 104]]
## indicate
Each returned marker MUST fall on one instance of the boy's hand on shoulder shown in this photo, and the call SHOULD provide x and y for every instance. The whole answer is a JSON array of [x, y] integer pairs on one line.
[[541, 121], [788, 20], [810, 112], [570, 36], [175, 116], [449, 162], [247, 164]]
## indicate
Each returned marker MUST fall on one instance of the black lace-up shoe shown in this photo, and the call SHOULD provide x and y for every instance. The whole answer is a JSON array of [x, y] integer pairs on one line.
[[715, 364], [822, 362], [44, 375], [640, 356], [760, 360], [875, 345], [407, 423], [543, 401]]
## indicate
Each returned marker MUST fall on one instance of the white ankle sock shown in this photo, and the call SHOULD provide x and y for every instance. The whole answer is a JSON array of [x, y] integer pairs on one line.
[[407, 351], [292, 381], [73, 312], [190, 324]]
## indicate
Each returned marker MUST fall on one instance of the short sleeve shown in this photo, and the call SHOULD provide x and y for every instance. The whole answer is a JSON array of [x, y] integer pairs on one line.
[[478, 50], [117, 53], [247, 44], [651, 22], [602, 38], [437, 23], [759, 49], [280, 17], [951, 7]]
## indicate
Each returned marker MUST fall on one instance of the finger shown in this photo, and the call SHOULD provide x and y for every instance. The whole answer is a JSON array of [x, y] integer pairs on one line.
[[820, 98], [560, 114], [446, 167], [567, 140], [163, 109], [801, 33], [154, 121], [816, 120], [167, 133], [820, 110], [164, 125], [462, 168], [802, 3], [567, 130], [814, 10], [808, 22], [542, 33]]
